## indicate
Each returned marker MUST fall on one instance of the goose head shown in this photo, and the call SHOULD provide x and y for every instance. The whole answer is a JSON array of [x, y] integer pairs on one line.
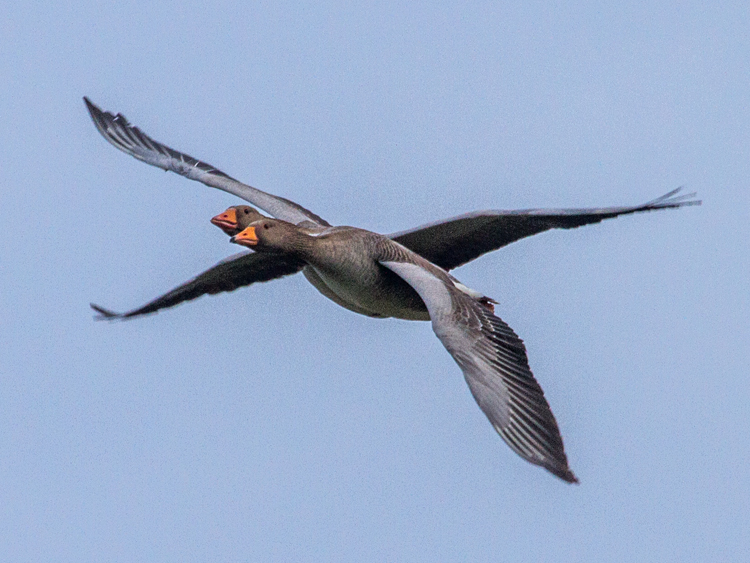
[[273, 235], [236, 218]]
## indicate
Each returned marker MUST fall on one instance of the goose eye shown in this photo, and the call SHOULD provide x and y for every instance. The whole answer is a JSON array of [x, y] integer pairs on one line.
[[247, 211], [266, 226]]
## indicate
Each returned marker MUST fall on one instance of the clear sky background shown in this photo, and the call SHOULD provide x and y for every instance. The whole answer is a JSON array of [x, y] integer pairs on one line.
[[271, 425]]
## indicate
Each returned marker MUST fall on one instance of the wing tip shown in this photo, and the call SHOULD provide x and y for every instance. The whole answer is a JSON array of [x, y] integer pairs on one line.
[[94, 111], [104, 314], [674, 199], [565, 474]]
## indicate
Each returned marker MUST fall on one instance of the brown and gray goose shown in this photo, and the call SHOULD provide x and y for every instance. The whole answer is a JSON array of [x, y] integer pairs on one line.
[[403, 275], [384, 278]]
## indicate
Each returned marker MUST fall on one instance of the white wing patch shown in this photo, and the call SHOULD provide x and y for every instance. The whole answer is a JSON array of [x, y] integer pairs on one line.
[[467, 290]]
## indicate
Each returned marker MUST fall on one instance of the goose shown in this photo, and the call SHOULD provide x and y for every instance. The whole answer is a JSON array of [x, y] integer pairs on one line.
[[380, 275], [403, 275]]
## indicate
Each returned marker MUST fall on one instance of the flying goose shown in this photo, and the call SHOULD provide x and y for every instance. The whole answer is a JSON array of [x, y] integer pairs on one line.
[[379, 275], [403, 275]]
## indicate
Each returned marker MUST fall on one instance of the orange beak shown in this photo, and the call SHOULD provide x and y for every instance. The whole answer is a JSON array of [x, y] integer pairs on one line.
[[226, 221], [246, 237]]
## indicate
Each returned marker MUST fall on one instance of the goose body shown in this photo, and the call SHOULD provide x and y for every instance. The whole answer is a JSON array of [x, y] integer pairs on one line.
[[342, 259]]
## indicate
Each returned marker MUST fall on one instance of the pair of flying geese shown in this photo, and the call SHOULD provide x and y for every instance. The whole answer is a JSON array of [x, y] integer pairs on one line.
[[402, 275]]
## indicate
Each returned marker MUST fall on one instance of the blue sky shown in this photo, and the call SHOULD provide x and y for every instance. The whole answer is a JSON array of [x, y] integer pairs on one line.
[[271, 425]]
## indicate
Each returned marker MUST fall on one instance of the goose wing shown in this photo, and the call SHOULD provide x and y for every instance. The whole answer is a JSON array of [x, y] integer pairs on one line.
[[494, 363], [456, 241], [128, 138], [236, 271]]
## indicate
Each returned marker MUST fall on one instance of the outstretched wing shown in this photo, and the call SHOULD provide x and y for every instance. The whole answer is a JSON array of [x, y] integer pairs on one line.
[[456, 241], [493, 360], [128, 138], [236, 271]]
